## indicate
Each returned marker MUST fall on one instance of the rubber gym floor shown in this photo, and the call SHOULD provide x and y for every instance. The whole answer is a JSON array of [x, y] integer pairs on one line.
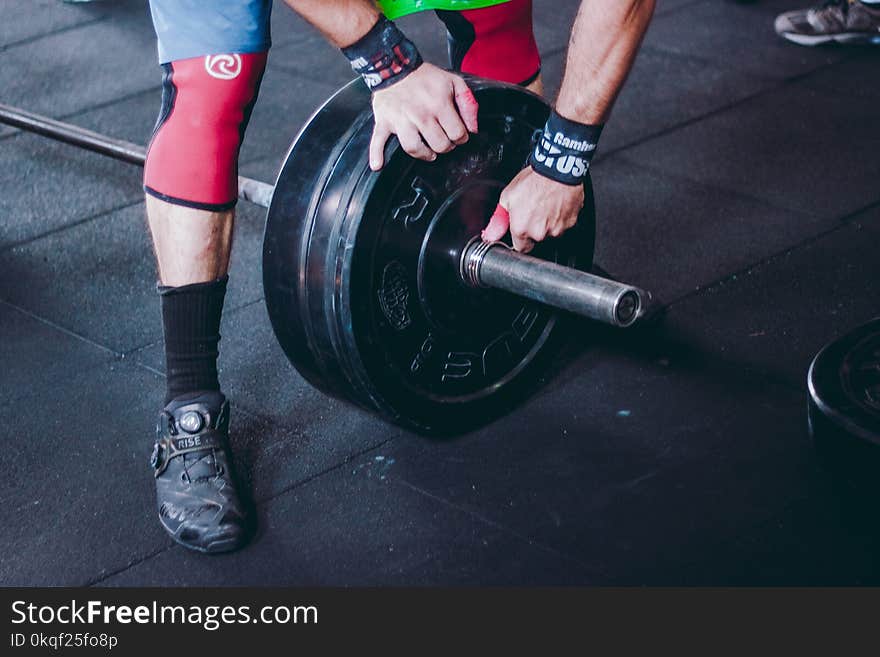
[[739, 179]]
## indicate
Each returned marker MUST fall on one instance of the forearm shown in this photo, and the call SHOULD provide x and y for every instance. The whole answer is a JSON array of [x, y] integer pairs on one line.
[[604, 42], [342, 22]]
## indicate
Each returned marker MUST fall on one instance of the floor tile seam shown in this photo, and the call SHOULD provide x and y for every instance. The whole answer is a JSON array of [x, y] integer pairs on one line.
[[678, 175], [73, 334], [843, 223], [68, 226], [44, 35], [772, 87], [497, 526], [108, 575]]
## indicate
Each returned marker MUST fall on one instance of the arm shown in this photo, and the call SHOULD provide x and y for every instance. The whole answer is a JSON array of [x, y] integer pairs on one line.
[[429, 109], [342, 22], [604, 42]]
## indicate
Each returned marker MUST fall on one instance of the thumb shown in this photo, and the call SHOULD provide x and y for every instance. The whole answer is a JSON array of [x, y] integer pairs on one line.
[[498, 225], [467, 104]]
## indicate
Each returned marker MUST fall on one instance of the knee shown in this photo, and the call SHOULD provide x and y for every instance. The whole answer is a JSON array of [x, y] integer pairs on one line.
[[192, 159], [503, 43]]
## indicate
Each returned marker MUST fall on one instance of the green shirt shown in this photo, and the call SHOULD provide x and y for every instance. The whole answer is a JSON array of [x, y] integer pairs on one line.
[[397, 8]]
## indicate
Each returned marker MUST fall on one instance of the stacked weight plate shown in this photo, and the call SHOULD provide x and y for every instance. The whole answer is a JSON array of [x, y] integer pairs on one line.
[[361, 269]]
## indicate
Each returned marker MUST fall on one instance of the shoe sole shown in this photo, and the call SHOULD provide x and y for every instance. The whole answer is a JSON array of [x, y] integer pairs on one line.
[[848, 38]]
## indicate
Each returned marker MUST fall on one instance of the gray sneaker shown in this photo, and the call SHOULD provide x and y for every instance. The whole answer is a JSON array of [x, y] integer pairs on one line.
[[843, 21]]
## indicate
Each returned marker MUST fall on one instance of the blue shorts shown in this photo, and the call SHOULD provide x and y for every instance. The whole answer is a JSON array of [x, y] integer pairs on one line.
[[194, 28]]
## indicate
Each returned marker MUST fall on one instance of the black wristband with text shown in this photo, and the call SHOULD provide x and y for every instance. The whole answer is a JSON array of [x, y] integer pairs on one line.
[[563, 151], [383, 55]]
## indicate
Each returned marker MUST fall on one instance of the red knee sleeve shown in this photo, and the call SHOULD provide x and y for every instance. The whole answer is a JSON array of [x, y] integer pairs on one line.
[[504, 46], [206, 103]]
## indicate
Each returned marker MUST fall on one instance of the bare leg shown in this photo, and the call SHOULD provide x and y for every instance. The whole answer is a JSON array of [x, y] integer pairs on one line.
[[192, 250], [192, 246]]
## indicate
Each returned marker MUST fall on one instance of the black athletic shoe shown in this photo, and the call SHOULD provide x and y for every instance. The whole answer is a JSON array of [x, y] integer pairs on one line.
[[195, 489]]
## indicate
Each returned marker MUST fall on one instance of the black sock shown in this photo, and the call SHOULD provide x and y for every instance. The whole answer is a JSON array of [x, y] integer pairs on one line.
[[191, 315]]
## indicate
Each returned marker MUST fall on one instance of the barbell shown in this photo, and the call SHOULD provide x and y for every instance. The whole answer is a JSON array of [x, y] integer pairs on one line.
[[377, 285]]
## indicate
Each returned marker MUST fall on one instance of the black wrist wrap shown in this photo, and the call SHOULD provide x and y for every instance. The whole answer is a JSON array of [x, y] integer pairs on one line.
[[564, 149], [383, 55]]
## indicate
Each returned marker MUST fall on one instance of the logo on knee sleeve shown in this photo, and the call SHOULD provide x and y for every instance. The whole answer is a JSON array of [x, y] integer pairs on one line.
[[223, 67]]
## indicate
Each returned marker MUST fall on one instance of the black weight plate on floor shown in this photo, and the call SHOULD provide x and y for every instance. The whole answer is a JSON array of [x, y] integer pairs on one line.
[[361, 268], [844, 406]]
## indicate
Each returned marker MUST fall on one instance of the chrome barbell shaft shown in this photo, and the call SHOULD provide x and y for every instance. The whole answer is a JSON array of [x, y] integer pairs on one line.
[[251, 190], [495, 265]]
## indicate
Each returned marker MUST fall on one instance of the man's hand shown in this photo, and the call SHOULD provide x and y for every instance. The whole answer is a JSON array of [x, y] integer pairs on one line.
[[430, 110], [535, 207], [604, 41]]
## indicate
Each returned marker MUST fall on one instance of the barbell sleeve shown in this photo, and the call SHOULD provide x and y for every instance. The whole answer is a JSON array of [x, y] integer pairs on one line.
[[495, 265], [254, 191]]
